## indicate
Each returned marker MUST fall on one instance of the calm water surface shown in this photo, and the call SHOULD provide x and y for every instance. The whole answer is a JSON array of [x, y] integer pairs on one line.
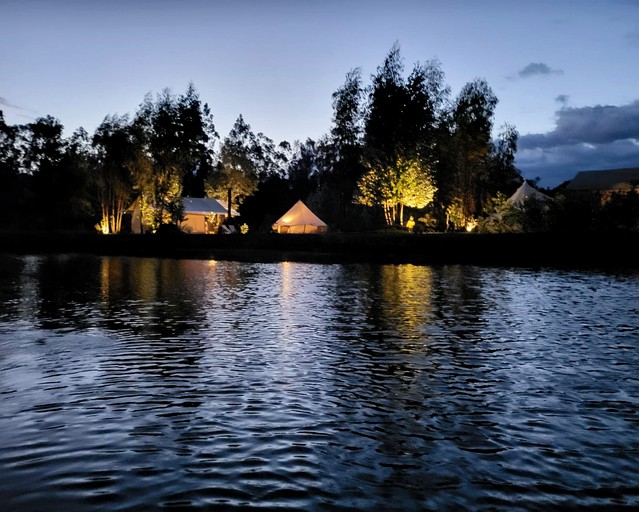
[[144, 384]]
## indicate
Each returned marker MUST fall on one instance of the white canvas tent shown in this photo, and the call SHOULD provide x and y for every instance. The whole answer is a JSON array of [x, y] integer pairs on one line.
[[524, 192], [300, 220]]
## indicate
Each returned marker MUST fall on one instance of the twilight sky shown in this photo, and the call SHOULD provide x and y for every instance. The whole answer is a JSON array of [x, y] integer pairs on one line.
[[566, 72]]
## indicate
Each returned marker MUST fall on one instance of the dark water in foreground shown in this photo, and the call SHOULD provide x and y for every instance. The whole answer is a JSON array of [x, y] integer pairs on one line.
[[144, 384]]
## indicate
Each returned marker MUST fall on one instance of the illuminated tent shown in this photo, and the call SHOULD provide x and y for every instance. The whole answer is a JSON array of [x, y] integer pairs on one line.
[[204, 214], [524, 192], [300, 220], [201, 215]]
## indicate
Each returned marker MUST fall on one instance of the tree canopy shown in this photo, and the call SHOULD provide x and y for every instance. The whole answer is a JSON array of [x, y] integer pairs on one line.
[[398, 141]]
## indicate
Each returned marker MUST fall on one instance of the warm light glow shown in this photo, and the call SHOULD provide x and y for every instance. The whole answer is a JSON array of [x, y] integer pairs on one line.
[[410, 223], [103, 226], [470, 225], [287, 280]]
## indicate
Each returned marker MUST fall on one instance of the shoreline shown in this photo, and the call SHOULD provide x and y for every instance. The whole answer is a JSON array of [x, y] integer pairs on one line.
[[567, 250]]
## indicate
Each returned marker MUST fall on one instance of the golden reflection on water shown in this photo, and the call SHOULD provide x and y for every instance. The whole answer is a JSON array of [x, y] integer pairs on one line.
[[406, 292], [140, 276], [286, 281], [189, 289]]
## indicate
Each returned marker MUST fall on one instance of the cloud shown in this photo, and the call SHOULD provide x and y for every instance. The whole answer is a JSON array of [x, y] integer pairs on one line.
[[538, 68], [6, 103], [562, 98], [595, 125], [586, 138]]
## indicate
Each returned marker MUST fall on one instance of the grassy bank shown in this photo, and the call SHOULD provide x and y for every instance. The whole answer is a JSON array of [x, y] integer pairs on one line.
[[522, 249]]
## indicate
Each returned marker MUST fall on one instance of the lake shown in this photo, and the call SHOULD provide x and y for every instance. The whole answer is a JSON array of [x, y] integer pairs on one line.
[[146, 384]]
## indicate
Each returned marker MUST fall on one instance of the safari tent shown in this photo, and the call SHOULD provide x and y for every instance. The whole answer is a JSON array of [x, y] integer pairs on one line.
[[526, 191], [300, 220], [202, 215]]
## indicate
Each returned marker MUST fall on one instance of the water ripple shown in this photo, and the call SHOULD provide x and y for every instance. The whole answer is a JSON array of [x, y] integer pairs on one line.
[[129, 384]]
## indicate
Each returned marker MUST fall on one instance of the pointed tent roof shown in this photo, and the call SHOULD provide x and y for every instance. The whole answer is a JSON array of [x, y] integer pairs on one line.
[[299, 215], [524, 192]]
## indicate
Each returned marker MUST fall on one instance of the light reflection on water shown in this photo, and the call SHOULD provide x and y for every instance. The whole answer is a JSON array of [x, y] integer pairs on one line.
[[145, 383]]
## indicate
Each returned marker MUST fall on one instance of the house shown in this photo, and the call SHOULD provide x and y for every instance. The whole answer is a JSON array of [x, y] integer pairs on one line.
[[202, 215], [300, 220]]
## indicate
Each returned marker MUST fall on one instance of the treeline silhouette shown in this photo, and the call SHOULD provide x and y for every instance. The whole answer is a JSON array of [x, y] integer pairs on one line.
[[400, 150]]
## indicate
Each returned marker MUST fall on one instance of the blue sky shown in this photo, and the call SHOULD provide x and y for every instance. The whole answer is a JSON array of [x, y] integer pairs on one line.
[[566, 73]]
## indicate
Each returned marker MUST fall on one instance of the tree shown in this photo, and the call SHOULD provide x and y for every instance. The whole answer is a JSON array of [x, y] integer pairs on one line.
[[42, 154], [416, 186], [115, 153], [73, 185], [159, 165], [9, 151], [347, 128], [11, 195], [43, 145], [405, 183], [236, 175], [303, 170], [502, 173], [341, 153], [384, 125], [400, 136], [198, 136], [173, 137], [246, 159], [471, 146]]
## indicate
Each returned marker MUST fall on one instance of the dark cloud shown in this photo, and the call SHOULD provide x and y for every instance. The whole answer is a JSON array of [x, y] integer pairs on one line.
[[562, 98], [538, 68], [587, 138], [595, 125]]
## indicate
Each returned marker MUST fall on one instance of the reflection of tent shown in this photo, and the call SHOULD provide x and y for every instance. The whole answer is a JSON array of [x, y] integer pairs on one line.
[[524, 192], [299, 219]]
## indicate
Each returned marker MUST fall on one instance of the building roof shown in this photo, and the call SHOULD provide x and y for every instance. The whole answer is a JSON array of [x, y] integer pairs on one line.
[[612, 179], [206, 206]]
